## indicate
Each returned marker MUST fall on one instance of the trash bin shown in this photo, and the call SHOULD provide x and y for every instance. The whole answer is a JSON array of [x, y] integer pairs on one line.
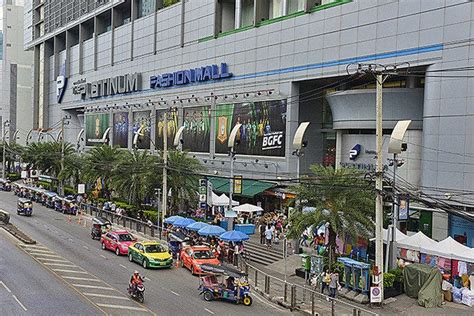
[[305, 261]]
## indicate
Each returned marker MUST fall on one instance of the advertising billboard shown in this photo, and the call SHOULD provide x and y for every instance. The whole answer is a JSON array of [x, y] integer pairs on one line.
[[263, 127], [142, 120], [171, 128], [197, 129], [96, 126], [121, 130]]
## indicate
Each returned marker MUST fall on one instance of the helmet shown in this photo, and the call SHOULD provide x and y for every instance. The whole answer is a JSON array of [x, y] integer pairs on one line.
[[136, 272]]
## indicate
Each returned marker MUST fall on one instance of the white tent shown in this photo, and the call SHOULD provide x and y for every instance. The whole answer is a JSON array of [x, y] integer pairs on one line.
[[248, 208], [222, 200], [398, 236], [451, 249], [416, 242]]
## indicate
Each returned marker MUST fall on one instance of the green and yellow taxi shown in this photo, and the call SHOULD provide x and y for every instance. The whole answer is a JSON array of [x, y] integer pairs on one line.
[[150, 254]]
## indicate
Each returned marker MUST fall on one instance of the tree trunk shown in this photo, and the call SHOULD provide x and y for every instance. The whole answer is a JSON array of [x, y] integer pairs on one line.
[[332, 244]]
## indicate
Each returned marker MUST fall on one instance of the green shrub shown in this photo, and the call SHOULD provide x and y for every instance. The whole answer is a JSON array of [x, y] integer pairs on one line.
[[388, 279], [398, 273], [69, 191], [152, 215], [167, 3], [14, 176]]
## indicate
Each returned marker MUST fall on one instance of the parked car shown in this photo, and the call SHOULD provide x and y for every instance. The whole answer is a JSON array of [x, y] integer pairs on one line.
[[117, 241], [192, 257]]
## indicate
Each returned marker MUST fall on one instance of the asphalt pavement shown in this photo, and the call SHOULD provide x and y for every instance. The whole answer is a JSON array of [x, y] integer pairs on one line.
[[28, 289], [168, 291]]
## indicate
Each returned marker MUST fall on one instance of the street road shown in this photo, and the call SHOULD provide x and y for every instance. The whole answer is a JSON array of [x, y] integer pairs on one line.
[[70, 248], [28, 289]]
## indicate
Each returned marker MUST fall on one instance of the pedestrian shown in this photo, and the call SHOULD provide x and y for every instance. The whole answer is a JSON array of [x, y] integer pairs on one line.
[[333, 284], [113, 207], [304, 242], [269, 236], [325, 280], [262, 233], [236, 254]]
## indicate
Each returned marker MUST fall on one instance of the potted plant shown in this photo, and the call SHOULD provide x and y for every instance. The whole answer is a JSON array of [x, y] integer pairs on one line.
[[393, 283]]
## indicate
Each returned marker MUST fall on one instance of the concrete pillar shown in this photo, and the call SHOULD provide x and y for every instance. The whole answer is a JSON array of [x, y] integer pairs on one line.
[[81, 48], [113, 25], [96, 29], [338, 149], [284, 7], [67, 62], [292, 123], [133, 16], [217, 18], [238, 13]]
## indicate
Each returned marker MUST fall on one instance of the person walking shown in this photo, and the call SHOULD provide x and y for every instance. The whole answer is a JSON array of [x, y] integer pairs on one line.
[[269, 236], [325, 280], [333, 284], [262, 233]]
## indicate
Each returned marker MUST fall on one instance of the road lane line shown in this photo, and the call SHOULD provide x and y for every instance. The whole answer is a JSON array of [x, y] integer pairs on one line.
[[45, 255], [59, 264], [123, 307], [80, 279], [177, 294], [19, 303], [124, 266], [94, 287], [103, 256], [6, 287], [69, 271], [147, 278], [53, 260], [209, 311], [85, 247], [107, 296]]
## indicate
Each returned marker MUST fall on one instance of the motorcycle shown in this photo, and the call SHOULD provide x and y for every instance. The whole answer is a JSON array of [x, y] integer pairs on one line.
[[138, 294]]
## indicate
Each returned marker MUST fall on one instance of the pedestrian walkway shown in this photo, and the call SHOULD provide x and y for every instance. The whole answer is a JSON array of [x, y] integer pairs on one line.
[[99, 293]]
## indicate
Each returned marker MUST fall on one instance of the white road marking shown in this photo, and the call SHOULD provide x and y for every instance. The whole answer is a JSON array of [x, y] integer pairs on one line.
[[122, 307], [123, 266], [34, 246], [44, 255], [94, 287], [60, 264], [81, 279], [103, 256], [85, 247], [53, 260], [265, 302], [147, 278], [39, 250], [6, 287], [107, 296], [177, 294], [19, 303], [209, 311], [69, 271]]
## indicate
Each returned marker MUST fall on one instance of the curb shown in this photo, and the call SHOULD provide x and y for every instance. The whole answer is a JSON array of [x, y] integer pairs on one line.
[[18, 234]]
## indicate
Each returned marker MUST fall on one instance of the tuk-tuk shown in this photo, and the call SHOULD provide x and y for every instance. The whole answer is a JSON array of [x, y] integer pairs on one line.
[[70, 206], [176, 241], [25, 207], [100, 226], [224, 283], [37, 194], [58, 203], [5, 185], [49, 199]]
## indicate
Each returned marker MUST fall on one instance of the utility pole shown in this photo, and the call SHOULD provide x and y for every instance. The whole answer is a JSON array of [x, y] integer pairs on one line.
[[379, 181], [231, 180], [391, 250], [4, 139], [61, 184], [165, 170]]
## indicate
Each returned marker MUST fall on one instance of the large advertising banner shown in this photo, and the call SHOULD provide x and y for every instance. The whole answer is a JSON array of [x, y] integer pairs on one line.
[[121, 129], [96, 126], [197, 129], [171, 128], [263, 127], [142, 120]]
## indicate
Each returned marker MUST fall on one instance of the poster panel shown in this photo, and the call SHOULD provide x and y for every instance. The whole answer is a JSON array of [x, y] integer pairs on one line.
[[142, 120], [121, 130], [197, 129], [171, 128], [263, 129], [96, 125]]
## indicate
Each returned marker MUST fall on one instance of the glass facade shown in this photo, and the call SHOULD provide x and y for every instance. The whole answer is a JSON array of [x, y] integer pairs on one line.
[[146, 7]]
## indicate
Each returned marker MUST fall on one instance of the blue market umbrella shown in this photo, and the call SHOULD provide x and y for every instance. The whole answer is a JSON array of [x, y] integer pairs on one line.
[[234, 236], [172, 219], [183, 222], [211, 230], [196, 226]]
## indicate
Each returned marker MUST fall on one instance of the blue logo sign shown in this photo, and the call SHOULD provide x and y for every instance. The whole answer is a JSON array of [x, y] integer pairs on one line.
[[355, 152], [182, 77], [61, 82]]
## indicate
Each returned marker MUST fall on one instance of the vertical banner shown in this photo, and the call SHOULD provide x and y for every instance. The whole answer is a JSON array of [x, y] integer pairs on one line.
[[237, 186], [121, 129], [263, 128], [403, 207], [197, 129], [96, 125], [171, 128], [142, 121]]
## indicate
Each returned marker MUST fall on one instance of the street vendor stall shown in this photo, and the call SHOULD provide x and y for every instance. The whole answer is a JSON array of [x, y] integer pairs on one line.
[[410, 247]]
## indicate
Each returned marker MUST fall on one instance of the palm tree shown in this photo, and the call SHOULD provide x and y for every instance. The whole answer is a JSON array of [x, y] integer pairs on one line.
[[73, 169], [132, 175], [46, 156], [13, 153], [100, 163], [341, 198]]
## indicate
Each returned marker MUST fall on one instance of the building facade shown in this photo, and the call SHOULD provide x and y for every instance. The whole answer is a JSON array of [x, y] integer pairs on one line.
[[117, 66]]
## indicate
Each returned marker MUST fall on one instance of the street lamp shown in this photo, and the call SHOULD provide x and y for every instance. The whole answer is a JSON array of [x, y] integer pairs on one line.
[[395, 146], [299, 143], [178, 140], [5, 125], [231, 143]]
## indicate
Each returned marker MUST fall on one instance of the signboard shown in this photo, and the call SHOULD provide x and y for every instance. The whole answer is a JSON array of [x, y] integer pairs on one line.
[[121, 130], [24, 174], [263, 129], [237, 187], [81, 188], [171, 128], [209, 193], [203, 193], [96, 125], [142, 120], [61, 82], [197, 129], [109, 86], [403, 207], [375, 294]]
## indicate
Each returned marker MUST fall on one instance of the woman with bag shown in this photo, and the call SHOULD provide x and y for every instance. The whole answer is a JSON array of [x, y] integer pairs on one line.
[[325, 280], [333, 284]]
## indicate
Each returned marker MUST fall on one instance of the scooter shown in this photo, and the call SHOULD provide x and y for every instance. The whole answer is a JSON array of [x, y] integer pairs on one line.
[[138, 294]]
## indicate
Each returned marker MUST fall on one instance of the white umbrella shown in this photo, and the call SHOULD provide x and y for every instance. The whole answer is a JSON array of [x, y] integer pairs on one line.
[[248, 208]]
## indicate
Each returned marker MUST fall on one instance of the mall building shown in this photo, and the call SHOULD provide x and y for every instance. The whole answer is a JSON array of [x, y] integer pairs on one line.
[[115, 68]]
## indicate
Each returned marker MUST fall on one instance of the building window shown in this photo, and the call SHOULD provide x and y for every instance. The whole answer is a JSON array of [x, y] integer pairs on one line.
[[227, 15], [295, 6], [167, 3], [275, 9], [146, 7], [247, 13]]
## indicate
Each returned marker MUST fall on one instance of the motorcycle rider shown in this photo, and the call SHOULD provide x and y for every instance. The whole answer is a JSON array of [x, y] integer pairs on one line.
[[135, 280]]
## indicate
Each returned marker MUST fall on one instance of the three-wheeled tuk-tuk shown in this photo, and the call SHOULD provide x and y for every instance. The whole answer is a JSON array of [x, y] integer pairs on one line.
[[224, 283], [25, 207], [177, 241], [100, 226], [49, 198], [5, 185]]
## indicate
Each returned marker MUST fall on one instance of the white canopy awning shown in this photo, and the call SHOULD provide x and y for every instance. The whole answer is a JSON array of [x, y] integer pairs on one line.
[[222, 200], [248, 208], [416, 242], [451, 249], [398, 236]]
